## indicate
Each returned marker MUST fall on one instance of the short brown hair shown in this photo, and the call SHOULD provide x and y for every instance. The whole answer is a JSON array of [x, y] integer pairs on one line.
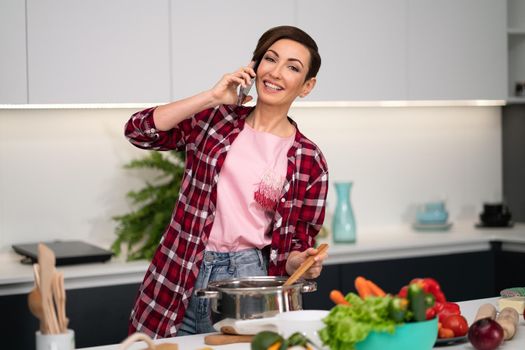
[[293, 33]]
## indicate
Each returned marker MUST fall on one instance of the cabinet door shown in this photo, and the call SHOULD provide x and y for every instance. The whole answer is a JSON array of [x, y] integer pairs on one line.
[[362, 45], [211, 38], [13, 81], [456, 49], [98, 51]]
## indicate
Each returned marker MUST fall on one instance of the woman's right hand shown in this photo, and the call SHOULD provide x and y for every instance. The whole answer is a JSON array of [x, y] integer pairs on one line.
[[226, 90], [170, 115]]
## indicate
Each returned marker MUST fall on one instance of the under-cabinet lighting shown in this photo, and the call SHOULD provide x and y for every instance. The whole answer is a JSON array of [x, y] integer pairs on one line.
[[80, 105], [301, 104], [430, 103]]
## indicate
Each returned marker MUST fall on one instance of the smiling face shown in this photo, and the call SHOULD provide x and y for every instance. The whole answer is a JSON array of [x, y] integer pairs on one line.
[[282, 71]]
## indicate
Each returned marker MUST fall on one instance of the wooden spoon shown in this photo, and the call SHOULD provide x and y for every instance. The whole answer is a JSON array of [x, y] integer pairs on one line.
[[34, 301], [305, 265]]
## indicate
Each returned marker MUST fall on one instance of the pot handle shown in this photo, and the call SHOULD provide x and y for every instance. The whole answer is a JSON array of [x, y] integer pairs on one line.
[[205, 293], [308, 286]]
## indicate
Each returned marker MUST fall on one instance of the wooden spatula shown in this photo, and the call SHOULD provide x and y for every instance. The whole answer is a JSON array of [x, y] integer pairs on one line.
[[46, 260], [59, 296], [305, 265]]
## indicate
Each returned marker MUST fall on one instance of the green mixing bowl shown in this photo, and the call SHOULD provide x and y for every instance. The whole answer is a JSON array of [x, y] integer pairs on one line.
[[408, 336]]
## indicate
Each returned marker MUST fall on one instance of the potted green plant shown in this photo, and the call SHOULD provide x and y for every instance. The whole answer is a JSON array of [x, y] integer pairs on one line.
[[142, 228]]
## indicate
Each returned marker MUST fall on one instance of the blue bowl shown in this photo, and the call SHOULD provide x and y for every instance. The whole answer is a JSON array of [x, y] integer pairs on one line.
[[408, 336]]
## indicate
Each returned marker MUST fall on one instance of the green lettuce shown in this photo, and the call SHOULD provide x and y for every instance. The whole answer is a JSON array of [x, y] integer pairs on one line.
[[347, 325]]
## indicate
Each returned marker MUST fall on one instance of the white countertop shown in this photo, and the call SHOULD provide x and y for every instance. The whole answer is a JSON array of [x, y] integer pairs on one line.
[[378, 244], [468, 309]]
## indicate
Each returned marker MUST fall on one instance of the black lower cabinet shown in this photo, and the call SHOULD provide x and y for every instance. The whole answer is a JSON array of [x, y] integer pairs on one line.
[[99, 316], [462, 276], [320, 299], [509, 267]]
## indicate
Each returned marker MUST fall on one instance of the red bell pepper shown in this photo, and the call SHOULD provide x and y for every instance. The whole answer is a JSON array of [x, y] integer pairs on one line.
[[430, 313], [445, 309], [430, 285], [403, 292]]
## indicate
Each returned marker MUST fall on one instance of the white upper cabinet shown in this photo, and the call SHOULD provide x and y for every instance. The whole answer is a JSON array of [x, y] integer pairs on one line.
[[13, 78], [211, 38], [135, 51], [363, 47], [98, 51], [456, 49]]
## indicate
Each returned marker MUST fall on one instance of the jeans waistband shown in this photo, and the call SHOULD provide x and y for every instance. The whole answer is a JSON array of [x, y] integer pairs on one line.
[[230, 258]]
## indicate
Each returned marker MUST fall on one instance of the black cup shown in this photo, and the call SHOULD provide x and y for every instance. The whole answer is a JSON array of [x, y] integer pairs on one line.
[[495, 215]]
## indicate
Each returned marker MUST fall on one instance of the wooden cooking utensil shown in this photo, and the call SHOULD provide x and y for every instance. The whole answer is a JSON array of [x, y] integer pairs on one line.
[[223, 339], [34, 299], [46, 260], [59, 296], [135, 337], [36, 274], [305, 265], [63, 298]]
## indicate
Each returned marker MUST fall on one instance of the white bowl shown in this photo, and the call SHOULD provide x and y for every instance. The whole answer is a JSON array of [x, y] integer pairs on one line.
[[307, 322]]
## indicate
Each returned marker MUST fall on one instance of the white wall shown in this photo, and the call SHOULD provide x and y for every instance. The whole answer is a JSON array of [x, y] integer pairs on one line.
[[61, 174]]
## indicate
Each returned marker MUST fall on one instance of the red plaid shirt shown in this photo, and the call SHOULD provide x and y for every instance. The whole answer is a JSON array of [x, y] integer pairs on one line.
[[206, 138]]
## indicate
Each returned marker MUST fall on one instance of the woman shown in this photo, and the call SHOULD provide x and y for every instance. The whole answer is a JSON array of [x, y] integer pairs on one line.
[[253, 183]]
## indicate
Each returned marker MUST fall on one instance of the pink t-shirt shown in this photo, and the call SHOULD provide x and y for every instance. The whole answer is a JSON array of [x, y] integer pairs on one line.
[[250, 184]]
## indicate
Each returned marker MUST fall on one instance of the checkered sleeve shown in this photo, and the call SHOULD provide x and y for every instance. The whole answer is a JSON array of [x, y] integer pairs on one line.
[[311, 216], [312, 213], [141, 131]]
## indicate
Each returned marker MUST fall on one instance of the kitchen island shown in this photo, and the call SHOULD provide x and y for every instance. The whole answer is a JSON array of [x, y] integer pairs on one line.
[[468, 309]]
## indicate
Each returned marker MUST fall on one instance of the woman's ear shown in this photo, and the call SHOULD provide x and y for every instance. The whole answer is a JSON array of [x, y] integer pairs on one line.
[[308, 86]]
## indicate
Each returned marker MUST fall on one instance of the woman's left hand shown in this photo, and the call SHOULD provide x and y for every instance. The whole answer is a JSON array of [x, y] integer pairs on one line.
[[295, 259]]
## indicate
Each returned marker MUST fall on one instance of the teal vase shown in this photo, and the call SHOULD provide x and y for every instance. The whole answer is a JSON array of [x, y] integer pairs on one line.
[[343, 221]]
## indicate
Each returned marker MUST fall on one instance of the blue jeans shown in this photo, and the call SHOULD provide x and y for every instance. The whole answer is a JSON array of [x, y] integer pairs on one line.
[[215, 267]]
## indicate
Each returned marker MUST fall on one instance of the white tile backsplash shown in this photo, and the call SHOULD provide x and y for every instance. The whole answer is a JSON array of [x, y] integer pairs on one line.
[[61, 174]]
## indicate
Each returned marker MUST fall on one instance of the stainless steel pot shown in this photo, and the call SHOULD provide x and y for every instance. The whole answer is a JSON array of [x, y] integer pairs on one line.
[[254, 297]]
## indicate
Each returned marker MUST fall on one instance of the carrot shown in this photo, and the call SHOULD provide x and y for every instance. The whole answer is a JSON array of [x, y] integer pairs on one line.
[[375, 289], [275, 346], [362, 287], [338, 298]]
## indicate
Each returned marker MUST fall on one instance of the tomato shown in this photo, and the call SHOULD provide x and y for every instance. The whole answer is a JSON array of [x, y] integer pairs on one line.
[[457, 323], [445, 333], [444, 310]]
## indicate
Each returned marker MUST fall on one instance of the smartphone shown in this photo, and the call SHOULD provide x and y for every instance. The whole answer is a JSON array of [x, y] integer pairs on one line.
[[244, 91]]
